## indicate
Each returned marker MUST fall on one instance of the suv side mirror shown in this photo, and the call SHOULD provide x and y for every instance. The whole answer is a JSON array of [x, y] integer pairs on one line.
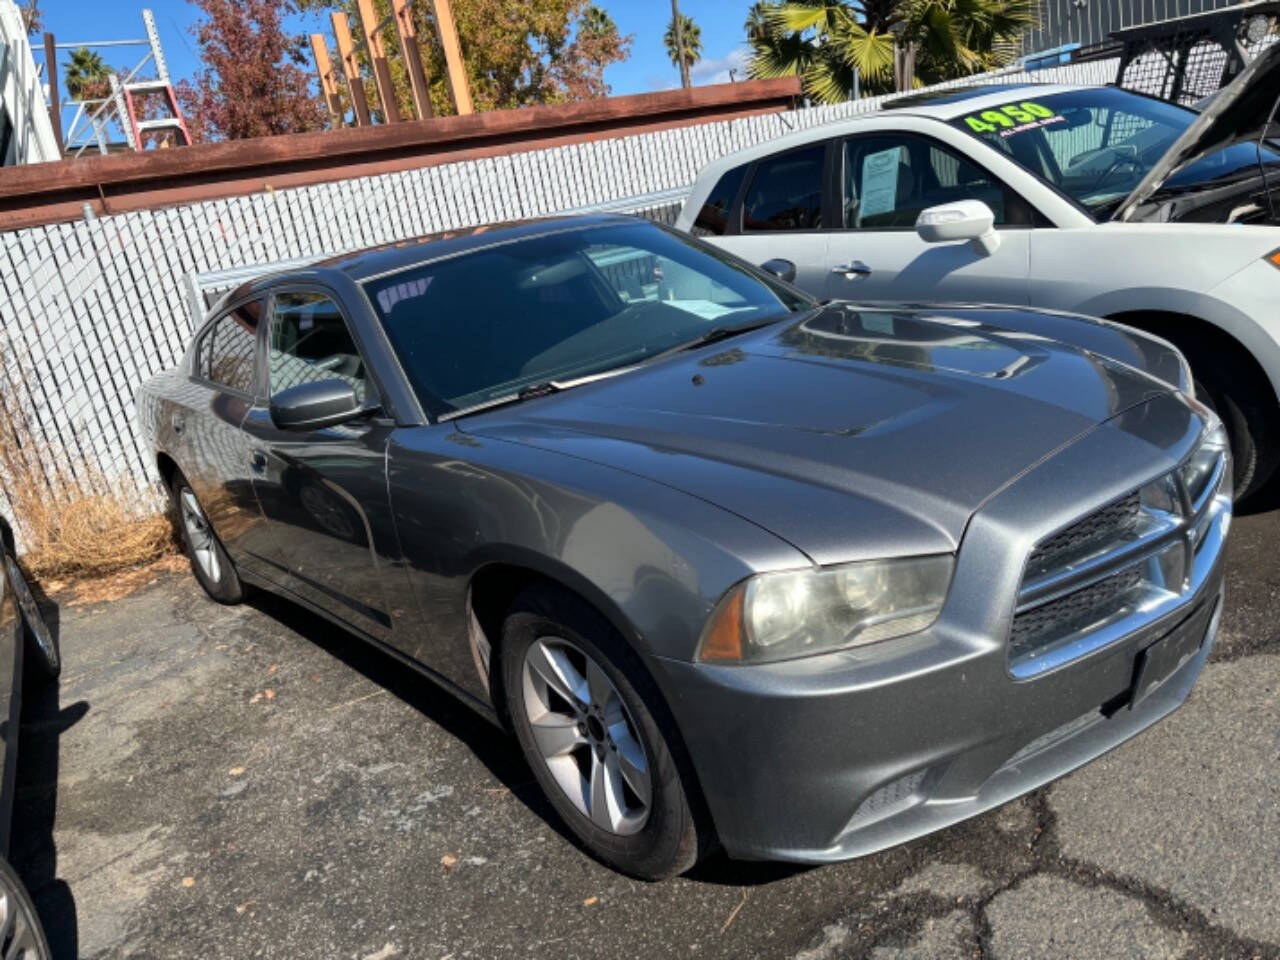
[[314, 406], [784, 270], [962, 220]]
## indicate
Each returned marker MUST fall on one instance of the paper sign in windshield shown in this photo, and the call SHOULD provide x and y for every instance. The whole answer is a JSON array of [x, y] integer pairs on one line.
[[1013, 118], [880, 181]]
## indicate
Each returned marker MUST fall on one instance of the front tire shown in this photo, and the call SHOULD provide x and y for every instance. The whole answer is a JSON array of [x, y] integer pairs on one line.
[[20, 933], [1245, 412], [209, 561], [572, 690]]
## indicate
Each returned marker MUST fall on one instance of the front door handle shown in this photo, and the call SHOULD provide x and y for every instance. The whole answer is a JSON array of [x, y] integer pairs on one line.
[[258, 461], [857, 270]]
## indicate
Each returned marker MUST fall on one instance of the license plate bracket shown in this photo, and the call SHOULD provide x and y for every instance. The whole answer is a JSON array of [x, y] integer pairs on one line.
[[1157, 663]]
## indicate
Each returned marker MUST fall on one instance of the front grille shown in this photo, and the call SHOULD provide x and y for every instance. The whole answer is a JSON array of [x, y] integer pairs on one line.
[[1103, 576], [1097, 531], [1072, 612]]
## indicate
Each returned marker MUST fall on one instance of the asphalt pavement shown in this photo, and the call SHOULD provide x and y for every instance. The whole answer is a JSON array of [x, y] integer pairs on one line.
[[249, 781]]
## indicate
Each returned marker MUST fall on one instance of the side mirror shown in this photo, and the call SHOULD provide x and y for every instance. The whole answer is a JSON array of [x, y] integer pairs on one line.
[[962, 220], [784, 270], [314, 406]]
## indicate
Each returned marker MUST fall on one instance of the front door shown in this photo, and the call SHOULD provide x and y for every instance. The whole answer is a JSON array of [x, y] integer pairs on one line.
[[324, 492], [887, 179]]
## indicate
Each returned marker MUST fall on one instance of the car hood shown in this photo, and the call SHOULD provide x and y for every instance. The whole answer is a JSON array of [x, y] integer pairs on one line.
[[850, 433], [1238, 113]]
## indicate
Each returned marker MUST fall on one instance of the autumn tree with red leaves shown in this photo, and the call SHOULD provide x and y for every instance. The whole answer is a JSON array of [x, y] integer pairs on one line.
[[253, 82]]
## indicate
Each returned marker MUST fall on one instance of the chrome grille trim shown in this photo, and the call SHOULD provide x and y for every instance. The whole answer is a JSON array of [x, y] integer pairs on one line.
[[1194, 535]]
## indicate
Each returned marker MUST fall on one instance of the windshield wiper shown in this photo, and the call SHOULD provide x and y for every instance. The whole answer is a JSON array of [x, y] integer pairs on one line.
[[543, 388], [714, 335]]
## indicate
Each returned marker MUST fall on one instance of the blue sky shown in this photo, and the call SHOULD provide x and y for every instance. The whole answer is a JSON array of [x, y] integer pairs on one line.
[[647, 69]]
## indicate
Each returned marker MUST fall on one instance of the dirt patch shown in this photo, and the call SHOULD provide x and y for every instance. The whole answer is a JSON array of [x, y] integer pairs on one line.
[[79, 592]]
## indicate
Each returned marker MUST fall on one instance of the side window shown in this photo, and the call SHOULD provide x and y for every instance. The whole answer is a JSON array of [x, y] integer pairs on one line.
[[889, 179], [786, 191], [310, 342], [229, 348], [713, 218]]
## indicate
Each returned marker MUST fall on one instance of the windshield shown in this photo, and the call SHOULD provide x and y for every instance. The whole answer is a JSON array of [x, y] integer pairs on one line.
[[482, 326], [1096, 145]]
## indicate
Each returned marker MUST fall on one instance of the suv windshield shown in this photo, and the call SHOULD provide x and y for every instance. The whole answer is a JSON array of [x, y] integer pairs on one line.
[[482, 326], [1096, 145]]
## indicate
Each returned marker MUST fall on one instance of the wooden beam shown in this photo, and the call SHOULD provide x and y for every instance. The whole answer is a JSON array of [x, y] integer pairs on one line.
[[351, 68], [459, 88], [328, 83], [403, 16], [40, 193], [55, 103], [370, 28]]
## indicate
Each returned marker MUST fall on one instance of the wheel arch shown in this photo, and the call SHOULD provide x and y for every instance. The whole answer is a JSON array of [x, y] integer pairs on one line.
[[1190, 333], [492, 589]]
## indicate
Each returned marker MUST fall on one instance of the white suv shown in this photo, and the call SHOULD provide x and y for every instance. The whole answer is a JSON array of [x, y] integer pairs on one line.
[[1093, 200]]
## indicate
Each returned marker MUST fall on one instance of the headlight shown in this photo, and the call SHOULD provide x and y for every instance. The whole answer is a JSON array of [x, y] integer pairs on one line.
[[798, 613], [1198, 471]]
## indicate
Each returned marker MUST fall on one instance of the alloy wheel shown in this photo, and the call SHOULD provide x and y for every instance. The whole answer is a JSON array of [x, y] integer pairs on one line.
[[200, 535], [586, 736], [18, 939], [40, 631]]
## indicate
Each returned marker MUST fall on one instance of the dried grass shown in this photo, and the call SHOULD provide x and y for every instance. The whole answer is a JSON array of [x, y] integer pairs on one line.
[[71, 519]]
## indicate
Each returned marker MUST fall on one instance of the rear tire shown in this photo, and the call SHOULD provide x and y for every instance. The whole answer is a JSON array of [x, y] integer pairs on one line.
[[20, 932], [650, 832], [209, 561]]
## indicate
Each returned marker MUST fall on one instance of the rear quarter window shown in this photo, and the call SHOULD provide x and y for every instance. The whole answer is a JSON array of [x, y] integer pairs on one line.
[[713, 218]]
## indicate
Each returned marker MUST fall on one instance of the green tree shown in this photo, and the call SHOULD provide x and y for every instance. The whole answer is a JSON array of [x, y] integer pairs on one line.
[[691, 35], [86, 75], [517, 52], [824, 42]]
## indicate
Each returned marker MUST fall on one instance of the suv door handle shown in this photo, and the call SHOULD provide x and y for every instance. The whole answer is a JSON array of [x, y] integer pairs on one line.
[[852, 271], [178, 422], [258, 461]]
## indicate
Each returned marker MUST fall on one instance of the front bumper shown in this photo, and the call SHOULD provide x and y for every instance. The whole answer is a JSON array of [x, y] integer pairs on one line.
[[841, 755]]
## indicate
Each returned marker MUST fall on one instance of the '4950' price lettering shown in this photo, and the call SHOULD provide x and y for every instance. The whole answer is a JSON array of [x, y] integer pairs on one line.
[[1011, 114]]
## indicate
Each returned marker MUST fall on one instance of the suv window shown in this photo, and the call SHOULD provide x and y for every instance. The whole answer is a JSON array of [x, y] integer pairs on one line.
[[888, 179], [230, 348], [786, 191], [310, 342], [713, 218]]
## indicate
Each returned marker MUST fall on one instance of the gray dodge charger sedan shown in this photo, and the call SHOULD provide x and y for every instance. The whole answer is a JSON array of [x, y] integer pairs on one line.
[[802, 580]]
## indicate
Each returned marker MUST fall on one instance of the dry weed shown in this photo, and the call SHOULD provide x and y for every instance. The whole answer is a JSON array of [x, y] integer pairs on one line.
[[71, 520]]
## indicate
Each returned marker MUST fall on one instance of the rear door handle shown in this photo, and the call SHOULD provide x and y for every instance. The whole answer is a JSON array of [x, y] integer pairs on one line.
[[856, 270], [258, 461], [178, 422]]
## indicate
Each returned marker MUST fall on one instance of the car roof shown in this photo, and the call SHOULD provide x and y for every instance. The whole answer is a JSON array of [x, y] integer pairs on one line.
[[957, 95], [361, 265]]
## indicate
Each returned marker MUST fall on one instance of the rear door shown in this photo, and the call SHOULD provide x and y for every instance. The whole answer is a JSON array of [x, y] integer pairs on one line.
[[212, 451], [874, 253], [325, 491], [783, 213]]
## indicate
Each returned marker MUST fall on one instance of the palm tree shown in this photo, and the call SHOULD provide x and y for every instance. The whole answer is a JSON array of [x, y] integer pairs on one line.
[[86, 75], [824, 42], [596, 21], [960, 37], [690, 38]]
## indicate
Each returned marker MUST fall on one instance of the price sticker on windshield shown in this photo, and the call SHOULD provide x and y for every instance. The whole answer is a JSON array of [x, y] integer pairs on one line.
[[1013, 118]]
